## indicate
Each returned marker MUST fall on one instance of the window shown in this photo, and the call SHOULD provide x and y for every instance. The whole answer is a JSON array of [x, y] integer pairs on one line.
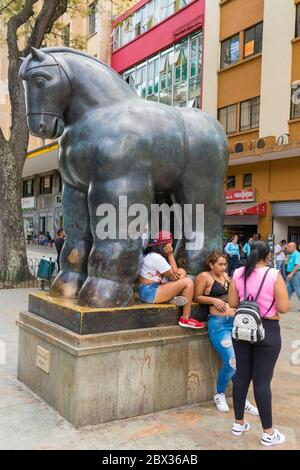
[[93, 18], [230, 182], [60, 184], [173, 76], [227, 117], [247, 180], [28, 188], [46, 184], [116, 36], [230, 51], [297, 21], [250, 114], [295, 101], [253, 40]]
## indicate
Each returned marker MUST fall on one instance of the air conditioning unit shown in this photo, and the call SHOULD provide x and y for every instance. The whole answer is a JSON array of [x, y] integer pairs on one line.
[[264, 143], [242, 146]]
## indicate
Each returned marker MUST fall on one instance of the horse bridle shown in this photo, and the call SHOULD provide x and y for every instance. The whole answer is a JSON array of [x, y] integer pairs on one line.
[[60, 68]]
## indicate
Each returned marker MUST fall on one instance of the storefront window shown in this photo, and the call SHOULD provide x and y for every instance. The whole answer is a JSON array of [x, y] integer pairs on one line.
[[172, 77]]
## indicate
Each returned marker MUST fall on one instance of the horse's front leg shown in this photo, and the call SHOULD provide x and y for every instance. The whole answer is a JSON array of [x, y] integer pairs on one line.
[[76, 249], [114, 259]]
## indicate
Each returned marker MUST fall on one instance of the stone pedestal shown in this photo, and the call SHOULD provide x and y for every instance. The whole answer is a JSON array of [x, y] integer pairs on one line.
[[102, 376]]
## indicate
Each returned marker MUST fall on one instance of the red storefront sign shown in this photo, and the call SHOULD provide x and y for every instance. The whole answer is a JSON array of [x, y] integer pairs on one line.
[[240, 195]]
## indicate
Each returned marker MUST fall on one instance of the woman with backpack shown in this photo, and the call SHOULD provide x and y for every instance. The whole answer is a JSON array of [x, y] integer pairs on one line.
[[259, 294], [211, 288]]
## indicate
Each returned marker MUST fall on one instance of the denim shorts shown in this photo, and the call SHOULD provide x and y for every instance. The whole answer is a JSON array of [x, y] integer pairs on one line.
[[147, 292]]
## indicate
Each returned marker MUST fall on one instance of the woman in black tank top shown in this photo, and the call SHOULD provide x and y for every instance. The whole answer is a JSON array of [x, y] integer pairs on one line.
[[211, 288]]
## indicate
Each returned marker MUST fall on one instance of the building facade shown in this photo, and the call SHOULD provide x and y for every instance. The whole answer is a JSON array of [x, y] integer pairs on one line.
[[258, 68], [158, 49], [240, 62]]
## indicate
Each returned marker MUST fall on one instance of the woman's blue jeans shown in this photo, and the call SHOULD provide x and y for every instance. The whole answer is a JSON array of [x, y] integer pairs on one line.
[[219, 331]]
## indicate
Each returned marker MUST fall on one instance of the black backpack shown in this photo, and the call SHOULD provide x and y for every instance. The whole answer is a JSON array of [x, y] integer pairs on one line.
[[247, 324]]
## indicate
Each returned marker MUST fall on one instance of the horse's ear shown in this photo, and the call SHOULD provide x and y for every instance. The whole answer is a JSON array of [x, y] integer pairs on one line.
[[37, 54]]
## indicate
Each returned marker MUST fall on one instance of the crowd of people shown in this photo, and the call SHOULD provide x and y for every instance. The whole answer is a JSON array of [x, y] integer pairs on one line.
[[222, 287], [40, 238]]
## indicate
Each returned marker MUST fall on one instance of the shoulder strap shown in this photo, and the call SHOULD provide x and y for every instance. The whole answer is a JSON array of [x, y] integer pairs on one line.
[[269, 308], [245, 287], [262, 283]]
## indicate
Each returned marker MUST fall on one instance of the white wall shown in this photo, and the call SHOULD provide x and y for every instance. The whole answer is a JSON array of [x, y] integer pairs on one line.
[[211, 60], [281, 224], [279, 30]]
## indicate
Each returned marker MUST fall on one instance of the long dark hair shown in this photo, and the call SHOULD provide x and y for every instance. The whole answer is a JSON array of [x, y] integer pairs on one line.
[[259, 252]]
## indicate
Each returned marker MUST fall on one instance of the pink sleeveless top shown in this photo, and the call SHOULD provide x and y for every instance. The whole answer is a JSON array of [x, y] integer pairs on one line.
[[266, 295]]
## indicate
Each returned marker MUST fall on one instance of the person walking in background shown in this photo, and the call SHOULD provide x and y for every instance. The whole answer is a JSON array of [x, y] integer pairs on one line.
[[280, 251], [232, 251], [256, 361], [293, 270], [59, 242], [256, 237], [247, 249]]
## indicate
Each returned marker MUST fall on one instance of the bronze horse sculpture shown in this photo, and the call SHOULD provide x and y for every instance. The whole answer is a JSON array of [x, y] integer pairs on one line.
[[113, 143]]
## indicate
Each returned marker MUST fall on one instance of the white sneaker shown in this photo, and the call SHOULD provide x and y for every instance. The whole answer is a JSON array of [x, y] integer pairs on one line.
[[178, 300], [220, 401], [250, 409], [238, 429], [272, 439]]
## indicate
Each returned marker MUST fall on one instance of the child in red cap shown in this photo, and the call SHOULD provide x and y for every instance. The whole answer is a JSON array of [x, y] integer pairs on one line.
[[161, 281]]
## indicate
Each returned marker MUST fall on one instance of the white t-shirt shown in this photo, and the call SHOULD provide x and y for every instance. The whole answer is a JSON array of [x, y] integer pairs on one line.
[[281, 256], [153, 266]]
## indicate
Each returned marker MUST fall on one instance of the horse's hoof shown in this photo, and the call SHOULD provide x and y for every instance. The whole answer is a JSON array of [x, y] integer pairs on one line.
[[67, 285], [104, 293]]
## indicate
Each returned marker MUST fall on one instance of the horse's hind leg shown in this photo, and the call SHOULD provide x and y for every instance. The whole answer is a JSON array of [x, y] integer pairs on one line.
[[76, 249], [202, 186]]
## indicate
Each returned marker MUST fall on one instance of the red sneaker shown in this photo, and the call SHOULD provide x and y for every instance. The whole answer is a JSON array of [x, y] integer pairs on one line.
[[190, 323]]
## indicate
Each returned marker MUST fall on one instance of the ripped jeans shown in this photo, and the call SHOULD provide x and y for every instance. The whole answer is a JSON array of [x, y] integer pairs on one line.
[[219, 331]]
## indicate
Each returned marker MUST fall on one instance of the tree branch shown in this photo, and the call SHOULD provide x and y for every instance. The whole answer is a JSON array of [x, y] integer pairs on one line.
[[50, 12]]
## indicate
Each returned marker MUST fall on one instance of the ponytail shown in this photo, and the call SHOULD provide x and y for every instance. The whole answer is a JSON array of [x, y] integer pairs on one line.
[[259, 252]]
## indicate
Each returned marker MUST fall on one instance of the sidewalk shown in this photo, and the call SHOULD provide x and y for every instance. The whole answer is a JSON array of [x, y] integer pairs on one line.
[[29, 423], [37, 251]]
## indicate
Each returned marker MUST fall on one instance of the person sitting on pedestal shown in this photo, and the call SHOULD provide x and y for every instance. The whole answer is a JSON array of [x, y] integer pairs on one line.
[[160, 280]]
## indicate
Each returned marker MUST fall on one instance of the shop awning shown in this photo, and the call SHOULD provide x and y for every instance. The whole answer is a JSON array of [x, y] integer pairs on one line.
[[41, 160], [246, 208]]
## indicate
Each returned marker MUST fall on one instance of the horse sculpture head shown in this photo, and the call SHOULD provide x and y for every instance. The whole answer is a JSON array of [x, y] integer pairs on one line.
[[47, 91]]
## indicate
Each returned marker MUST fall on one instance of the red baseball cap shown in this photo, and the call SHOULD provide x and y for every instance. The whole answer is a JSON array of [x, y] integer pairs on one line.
[[162, 238]]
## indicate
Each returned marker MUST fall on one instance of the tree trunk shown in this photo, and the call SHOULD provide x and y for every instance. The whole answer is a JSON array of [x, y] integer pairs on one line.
[[12, 238]]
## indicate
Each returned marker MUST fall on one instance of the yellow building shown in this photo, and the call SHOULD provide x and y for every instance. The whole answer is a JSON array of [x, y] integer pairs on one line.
[[251, 73]]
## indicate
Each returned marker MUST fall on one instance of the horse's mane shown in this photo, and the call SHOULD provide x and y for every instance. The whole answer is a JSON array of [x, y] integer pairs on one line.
[[76, 52]]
